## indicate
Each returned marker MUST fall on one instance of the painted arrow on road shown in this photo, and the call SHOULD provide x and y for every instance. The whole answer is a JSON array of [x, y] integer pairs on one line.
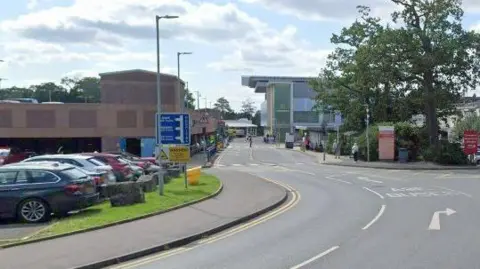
[[435, 223]]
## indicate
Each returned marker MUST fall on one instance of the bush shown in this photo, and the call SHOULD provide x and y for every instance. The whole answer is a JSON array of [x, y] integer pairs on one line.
[[450, 154], [330, 140], [373, 144]]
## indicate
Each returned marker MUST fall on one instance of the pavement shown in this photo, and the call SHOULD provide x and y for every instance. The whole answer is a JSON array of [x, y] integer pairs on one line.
[[243, 194], [345, 217], [349, 162]]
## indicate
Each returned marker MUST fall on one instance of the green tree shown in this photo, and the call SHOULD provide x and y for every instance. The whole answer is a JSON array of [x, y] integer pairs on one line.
[[223, 106], [420, 66], [85, 89], [443, 57], [248, 108], [470, 122], [189, 99]]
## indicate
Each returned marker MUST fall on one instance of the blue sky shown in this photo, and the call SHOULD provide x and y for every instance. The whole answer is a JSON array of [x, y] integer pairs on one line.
[[44, 40]]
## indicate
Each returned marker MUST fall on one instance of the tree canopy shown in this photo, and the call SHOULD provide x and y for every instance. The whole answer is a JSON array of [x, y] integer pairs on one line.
[[420, 62]]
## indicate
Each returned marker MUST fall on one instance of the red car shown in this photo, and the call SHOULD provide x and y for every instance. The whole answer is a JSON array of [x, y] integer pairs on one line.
[[14, 155], [121, 170], [135, 158]]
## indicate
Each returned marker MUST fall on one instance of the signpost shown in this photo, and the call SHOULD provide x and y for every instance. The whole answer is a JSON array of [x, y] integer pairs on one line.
[[174, 129], [179, 154], [470, 142]]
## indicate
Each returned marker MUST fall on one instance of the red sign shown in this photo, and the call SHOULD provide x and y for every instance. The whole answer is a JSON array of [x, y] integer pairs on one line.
[[470, 142]]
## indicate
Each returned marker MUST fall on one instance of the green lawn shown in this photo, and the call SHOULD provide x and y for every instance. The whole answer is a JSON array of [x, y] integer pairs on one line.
[[175, 194]]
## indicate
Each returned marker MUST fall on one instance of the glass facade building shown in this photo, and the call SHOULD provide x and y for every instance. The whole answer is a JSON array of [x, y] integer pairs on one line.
[[289, 103]]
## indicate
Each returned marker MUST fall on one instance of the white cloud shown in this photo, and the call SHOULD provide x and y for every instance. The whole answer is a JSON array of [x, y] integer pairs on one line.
[[277, 50], [107, 21], [339, 10], [323, 10]]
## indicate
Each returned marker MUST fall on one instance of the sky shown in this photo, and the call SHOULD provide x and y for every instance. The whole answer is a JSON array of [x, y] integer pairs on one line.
[[45, 40]]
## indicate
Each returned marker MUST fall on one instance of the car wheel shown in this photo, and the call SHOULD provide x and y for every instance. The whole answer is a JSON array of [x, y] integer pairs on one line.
[[33, 211]]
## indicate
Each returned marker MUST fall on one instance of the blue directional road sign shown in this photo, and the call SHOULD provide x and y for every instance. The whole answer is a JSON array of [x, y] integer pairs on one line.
[[173, 128]]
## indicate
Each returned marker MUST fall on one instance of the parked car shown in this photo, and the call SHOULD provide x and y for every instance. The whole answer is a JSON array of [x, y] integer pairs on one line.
[[3, 154], [88, 163], [148, 166], [123, 171], [133, 157], [15, 155], [33, 192]]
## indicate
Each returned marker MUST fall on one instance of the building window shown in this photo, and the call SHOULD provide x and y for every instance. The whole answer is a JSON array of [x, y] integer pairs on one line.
[[305, 117]]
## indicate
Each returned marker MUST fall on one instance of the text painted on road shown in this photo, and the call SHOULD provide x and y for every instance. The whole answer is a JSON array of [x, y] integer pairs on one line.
[[409, 192]]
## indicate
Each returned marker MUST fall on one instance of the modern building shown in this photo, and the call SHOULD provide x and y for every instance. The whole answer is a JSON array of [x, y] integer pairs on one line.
[[125, 118], [289, 104]]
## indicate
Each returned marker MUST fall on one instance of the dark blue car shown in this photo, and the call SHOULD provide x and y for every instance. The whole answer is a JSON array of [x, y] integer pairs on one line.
[[31, 192]]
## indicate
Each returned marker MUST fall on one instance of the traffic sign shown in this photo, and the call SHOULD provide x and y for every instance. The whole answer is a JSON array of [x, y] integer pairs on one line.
[[179, 154], [173, 128]]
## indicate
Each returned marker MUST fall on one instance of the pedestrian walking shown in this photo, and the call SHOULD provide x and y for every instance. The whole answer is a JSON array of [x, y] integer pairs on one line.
[[355, 152]]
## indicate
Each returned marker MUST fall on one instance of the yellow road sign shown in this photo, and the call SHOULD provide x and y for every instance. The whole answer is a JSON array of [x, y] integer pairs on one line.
[[179, 154]]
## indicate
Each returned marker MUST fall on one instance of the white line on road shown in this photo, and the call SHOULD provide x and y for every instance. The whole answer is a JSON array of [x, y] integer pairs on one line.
[[374, 192], [461, 192], [369, 180], [339, 180], [326, 252], [236, 164], [379, 214]]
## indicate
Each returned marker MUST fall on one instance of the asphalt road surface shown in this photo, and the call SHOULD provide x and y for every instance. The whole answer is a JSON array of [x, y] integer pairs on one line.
[[345, 218]]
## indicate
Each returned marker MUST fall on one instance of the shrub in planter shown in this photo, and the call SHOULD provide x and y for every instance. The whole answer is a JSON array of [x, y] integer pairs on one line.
[[125, 193], [148, 183]]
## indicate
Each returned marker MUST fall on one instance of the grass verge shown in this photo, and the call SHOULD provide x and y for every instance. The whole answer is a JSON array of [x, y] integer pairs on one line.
[[103, 214]]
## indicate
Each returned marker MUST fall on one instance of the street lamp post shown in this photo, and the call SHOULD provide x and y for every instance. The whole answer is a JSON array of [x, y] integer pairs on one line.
[[181, 96], [158, 133], [366, 134], [182, 102]]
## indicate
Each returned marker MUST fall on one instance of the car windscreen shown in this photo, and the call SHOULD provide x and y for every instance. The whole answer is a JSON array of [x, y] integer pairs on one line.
[[96, 162], [75, 173]]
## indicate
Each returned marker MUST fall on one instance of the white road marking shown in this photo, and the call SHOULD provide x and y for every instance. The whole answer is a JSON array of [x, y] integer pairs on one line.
[[326, 252], [271, 164], [369, 180], [379, 214], [461, 192], [339, 180], [236, 164], [435, 222], [298, 163], [254, 164], [374, 192]]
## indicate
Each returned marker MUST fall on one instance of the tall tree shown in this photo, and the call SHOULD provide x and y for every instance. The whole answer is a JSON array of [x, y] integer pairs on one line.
[[248, 108], [222, 105], [189, 99], [420, 66], [444, 57]]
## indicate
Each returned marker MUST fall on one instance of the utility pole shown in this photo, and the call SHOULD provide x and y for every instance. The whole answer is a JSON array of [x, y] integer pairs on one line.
[[1, 79], [198, 99], [205, 98]]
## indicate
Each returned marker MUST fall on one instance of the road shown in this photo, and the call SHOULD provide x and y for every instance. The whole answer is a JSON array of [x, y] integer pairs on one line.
[[344, 218]]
